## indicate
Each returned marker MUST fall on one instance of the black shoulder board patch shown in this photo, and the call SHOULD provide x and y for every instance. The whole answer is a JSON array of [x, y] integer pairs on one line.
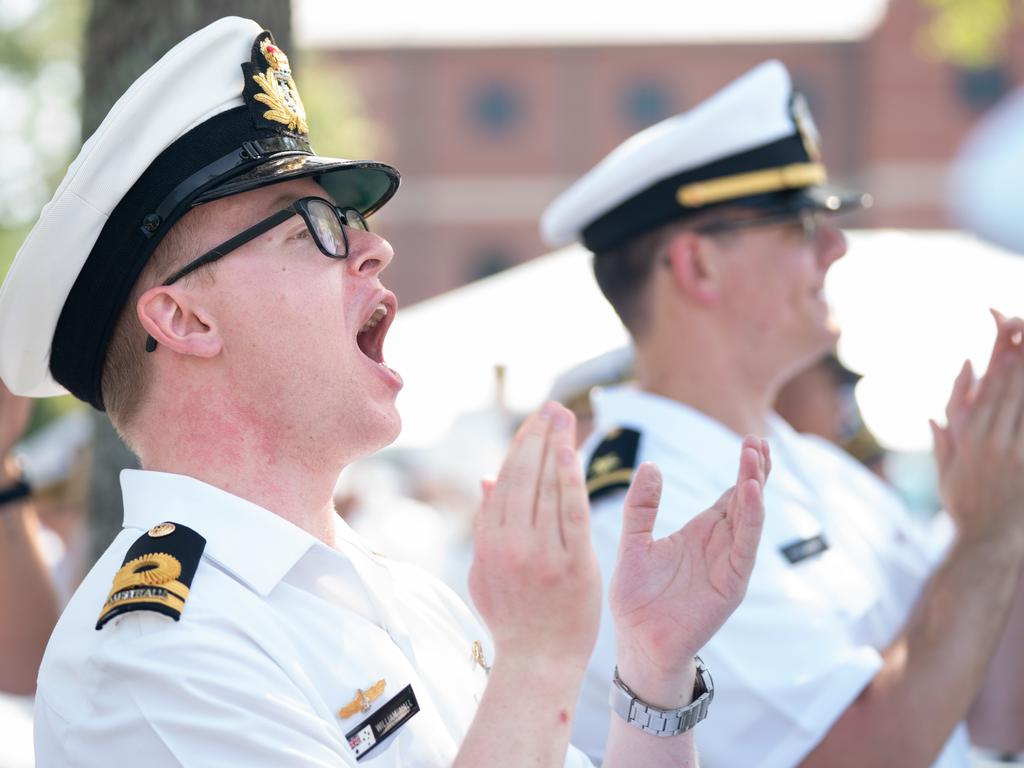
[[156, 574], [612, 463]]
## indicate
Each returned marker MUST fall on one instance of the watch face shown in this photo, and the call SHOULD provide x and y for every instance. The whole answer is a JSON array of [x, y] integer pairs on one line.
[[703, 680]]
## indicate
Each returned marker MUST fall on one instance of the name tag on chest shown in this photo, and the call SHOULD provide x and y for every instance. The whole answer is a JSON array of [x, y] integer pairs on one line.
[[803, 549], [366, 736]]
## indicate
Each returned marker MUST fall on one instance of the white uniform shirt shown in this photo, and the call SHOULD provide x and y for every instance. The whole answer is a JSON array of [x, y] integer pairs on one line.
[[277, 634], [807, 636]]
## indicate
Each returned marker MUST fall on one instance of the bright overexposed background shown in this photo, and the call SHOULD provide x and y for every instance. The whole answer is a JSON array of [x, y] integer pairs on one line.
[[912, 304]]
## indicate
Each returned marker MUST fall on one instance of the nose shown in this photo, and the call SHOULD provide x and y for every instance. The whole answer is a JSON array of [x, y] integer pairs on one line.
[[368, 254], [830, 244]]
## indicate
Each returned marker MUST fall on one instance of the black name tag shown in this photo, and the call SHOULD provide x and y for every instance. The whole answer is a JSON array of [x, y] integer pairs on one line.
[[801, 550], [366, 736]]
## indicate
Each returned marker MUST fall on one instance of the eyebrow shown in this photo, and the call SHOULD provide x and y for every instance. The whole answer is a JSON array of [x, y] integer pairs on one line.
[[279, 203]]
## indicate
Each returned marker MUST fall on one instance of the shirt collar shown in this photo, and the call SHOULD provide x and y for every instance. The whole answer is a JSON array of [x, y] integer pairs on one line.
[[250, 542], [663, 420]]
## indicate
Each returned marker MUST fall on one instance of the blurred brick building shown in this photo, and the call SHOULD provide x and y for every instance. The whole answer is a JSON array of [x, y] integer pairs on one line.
[[486, 136]]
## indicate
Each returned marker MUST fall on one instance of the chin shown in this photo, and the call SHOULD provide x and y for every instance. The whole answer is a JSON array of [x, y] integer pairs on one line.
[[384, 429]]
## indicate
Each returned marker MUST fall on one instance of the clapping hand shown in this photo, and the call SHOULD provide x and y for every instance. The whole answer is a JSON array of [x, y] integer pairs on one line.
[[980, 452], [668, 597]]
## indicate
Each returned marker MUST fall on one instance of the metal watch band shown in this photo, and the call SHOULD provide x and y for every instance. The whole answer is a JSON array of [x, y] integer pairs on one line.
[[663, 722]]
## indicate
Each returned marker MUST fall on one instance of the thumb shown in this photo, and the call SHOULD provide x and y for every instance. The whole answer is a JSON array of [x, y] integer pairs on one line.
[[641, 506]]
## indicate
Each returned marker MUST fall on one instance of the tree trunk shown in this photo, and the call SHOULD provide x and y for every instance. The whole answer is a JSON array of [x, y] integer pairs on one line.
[[123, 39]]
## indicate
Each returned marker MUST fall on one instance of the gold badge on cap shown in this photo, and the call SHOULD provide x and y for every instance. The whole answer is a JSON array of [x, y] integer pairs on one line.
[[801, 113], [162, 529], [362, 700], [279, 91]]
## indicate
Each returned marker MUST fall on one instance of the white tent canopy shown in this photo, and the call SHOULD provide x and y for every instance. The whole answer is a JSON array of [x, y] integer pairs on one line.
[[912, 304]]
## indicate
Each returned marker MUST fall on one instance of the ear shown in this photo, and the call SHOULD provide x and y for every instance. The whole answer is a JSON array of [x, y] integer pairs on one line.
[[171, 316], [692, 262]]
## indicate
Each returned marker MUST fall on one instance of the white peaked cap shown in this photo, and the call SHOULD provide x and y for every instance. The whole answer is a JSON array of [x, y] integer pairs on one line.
[[754, 140], [194, 127]]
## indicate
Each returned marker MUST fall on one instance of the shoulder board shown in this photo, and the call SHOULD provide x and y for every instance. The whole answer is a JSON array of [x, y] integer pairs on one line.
[[156, 574], [612, 463]]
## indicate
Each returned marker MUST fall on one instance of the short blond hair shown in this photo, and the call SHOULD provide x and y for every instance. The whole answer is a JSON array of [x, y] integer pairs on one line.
[[126, 371]]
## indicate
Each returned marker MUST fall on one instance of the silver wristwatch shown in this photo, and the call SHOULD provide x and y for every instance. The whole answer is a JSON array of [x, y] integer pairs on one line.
[[663, 722]]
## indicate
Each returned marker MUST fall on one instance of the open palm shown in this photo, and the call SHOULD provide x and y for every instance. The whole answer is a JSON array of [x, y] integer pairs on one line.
[[669, 596]]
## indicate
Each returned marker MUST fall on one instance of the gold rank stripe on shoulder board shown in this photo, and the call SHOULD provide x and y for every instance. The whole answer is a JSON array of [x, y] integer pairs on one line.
[[156, 574], [362, 700], [612, 463]]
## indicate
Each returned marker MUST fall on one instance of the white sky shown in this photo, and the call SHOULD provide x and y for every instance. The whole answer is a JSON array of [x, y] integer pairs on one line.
[[441, 23]]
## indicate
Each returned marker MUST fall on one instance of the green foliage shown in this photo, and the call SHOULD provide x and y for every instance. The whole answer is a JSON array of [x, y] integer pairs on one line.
[[39, 70], [971, 34], [338, 121]]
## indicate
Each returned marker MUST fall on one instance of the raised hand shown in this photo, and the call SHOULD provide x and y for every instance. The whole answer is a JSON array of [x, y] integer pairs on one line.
[[536, 584], [980, 453], [668, 597], [535, 578]]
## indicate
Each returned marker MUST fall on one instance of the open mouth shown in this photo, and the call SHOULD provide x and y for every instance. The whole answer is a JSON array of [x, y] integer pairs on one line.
[[371, 336]]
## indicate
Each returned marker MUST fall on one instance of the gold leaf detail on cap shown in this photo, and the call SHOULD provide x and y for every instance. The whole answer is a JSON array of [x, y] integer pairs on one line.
[[279, 90]]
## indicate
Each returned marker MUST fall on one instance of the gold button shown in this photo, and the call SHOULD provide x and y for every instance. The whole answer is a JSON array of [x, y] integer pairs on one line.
[[163, 529]]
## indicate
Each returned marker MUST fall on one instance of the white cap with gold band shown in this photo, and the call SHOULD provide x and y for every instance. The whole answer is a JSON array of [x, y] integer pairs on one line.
[[218, 114], [752, 143]]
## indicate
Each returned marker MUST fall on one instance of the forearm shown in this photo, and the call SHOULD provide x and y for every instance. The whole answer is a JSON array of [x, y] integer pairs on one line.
[[525, 716], [996, 715], [28, 602], [628, 745], [934, 669]]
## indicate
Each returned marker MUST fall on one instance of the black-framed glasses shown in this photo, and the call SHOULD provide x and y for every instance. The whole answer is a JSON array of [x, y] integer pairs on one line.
[[326, 222], [809, 220]]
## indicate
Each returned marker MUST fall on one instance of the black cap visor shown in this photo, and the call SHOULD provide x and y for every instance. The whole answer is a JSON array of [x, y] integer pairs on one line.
[[825, 198], [363, 185]]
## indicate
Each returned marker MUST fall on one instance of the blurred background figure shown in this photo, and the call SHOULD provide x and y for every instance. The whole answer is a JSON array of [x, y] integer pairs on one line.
[[29, 601], [820, 400], [985, 197], [573, 387], [986, 181]]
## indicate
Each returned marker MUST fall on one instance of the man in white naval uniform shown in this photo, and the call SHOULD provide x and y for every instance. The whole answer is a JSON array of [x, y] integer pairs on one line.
[[212, 283], [857, 643]]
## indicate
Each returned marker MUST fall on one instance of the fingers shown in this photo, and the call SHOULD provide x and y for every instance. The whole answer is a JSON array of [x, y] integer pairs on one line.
[[959, 398], [752, 460], [515, 492], [745, 508], [575, 507], [1006, 415], [548, 513], [1009, 332], [989, 402], [641, 506], [767, 454]]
